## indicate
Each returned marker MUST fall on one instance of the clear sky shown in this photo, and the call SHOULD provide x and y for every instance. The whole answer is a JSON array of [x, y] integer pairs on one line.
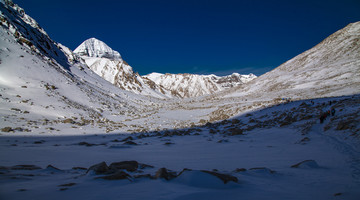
[[196, 36]]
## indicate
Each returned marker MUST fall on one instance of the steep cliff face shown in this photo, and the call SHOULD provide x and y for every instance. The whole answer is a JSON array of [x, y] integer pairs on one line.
[[193, 85]]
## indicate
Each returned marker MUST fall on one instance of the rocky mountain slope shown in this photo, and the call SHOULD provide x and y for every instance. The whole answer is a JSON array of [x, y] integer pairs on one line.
[[331, 68], [193, 85], [108, 64]]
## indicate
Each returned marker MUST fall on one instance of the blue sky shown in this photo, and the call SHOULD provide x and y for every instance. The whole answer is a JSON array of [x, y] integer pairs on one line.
[[196, 36]]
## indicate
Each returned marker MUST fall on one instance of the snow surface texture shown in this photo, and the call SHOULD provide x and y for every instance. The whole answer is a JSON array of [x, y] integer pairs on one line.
[[262, 145], [192, 85]]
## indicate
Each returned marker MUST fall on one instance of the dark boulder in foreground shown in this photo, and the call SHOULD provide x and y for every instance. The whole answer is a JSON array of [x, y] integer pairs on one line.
[[100, 168], [130, 166], [165, 174], [119, 175]]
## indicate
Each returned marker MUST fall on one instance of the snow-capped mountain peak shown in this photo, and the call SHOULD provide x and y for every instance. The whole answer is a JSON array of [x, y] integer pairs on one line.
[[96, 48]]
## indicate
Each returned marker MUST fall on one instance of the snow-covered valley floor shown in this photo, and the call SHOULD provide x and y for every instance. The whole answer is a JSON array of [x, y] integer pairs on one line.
[[262, 161]]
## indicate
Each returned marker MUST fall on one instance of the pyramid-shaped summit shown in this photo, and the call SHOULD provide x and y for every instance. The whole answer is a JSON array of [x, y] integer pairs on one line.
[[96, 48]]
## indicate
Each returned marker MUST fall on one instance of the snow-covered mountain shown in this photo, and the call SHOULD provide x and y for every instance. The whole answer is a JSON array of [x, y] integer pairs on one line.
[[96, 48], [108, 64], [193, 85]]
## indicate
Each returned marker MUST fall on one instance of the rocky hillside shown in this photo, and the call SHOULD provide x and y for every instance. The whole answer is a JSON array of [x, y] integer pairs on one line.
[[193, 85], [331, 68]]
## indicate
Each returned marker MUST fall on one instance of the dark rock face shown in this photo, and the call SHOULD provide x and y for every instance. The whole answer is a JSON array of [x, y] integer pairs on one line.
[[100, 168], [224, 177], [130, 166], [165, 174]]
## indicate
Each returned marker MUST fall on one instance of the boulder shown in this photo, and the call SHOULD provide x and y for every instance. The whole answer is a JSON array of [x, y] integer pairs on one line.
[[119, 175], [100, 168], [165, 174], [130, 166], [25, 167]]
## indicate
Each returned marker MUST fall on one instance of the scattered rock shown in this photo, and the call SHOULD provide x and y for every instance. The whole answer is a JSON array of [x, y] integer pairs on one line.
[[67, 185], [239, 170], [165, 174], [53, 168], [224, 177], [127, 139], [39, 142], [100, 168], [130, 166], [25, 167], [338, 194], [68, 121], [235, 131], [304, 140], [119, 175], [7, 129], [86, 144], [130, 143], [79, 168], [306, 164], [169, 143], [144, 166], [263, 169], [16, 109]]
